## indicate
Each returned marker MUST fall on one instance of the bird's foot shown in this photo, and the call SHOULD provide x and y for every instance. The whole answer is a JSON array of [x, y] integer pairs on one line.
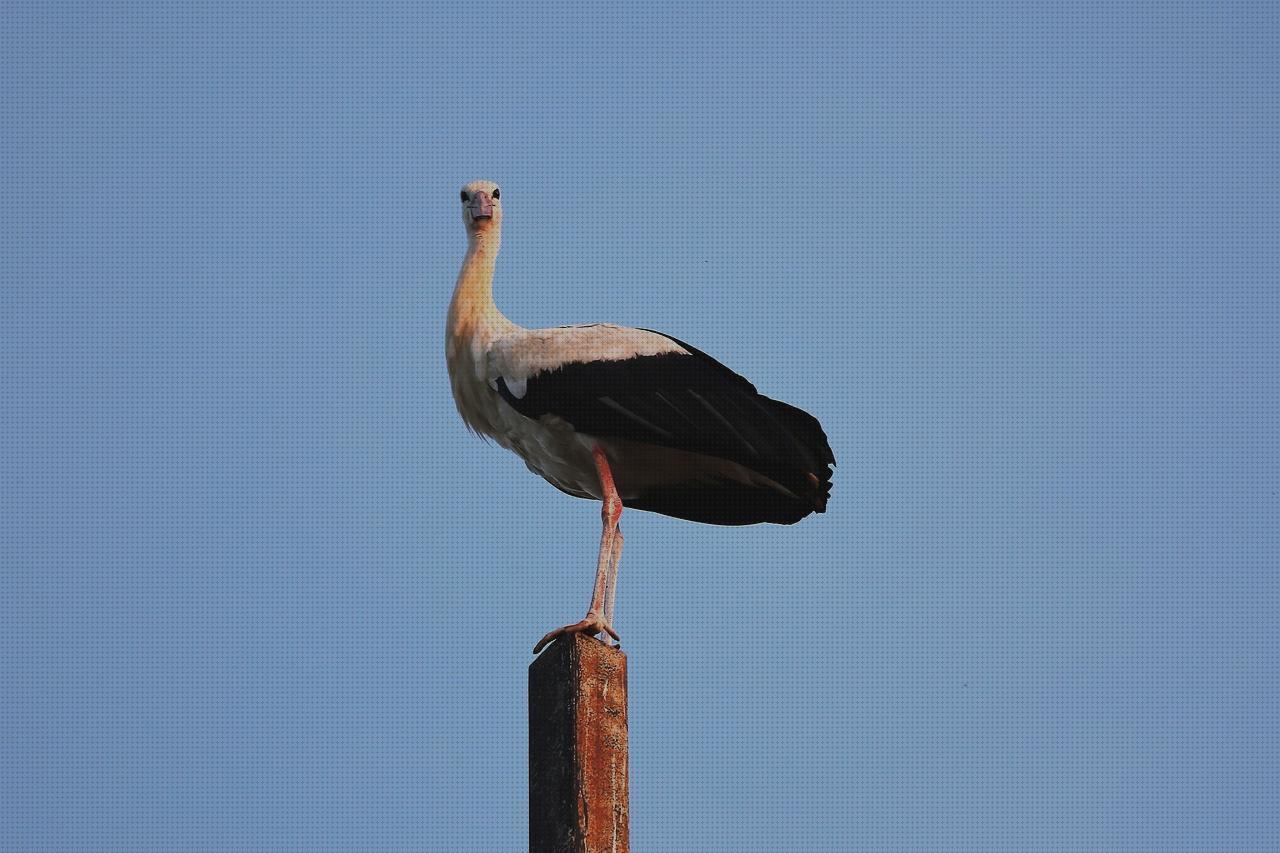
[[592, 624]]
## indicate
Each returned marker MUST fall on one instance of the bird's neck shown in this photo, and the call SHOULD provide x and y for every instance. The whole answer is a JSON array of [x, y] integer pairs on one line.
[[472, 313]]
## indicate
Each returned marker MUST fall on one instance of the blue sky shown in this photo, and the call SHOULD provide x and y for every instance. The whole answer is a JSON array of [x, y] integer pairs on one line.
[[259, 589]]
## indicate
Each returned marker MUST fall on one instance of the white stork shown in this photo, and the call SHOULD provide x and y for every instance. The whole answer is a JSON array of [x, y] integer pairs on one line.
[[623, 415]]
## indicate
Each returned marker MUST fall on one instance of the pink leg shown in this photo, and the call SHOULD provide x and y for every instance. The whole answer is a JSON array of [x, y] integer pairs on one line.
[[611, 585], [610, 511]]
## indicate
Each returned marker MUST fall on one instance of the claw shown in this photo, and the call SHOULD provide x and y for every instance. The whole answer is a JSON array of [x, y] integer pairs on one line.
[[592, 624]]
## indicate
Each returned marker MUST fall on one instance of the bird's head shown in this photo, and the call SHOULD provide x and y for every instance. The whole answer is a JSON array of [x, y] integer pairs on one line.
[[481, 207]]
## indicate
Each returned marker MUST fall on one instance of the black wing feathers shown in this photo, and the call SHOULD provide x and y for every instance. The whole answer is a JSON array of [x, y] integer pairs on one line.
[[692, 403]]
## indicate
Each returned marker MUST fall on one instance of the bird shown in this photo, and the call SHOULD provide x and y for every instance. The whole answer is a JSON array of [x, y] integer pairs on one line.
[[624, 416]]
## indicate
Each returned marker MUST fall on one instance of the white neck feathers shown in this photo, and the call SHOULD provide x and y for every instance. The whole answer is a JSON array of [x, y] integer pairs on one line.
[[473, 316]]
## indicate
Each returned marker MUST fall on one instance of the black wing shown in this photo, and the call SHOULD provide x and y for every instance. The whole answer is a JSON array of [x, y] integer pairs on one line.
[[688, 402]]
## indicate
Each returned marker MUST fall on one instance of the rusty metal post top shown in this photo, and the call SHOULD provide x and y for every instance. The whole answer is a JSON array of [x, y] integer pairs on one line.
[[578, 748], [580, 646]]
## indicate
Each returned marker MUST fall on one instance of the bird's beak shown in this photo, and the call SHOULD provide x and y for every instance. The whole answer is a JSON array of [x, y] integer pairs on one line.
[[481, 206]]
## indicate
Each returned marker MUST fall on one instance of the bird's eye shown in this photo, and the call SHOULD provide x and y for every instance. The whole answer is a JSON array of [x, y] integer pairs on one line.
[[464, 195], [496, 193]]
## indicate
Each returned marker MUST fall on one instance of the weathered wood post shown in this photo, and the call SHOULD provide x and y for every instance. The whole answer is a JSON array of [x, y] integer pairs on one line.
[[578, 748]]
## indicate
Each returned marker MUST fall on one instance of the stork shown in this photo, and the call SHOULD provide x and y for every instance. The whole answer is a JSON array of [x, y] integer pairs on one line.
[[623, 416]]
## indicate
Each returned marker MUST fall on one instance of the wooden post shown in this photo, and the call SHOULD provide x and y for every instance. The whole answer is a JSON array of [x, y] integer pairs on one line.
[[578, 748]]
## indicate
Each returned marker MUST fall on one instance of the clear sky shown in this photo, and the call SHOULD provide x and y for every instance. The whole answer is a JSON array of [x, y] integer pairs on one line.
[[261, 590]]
